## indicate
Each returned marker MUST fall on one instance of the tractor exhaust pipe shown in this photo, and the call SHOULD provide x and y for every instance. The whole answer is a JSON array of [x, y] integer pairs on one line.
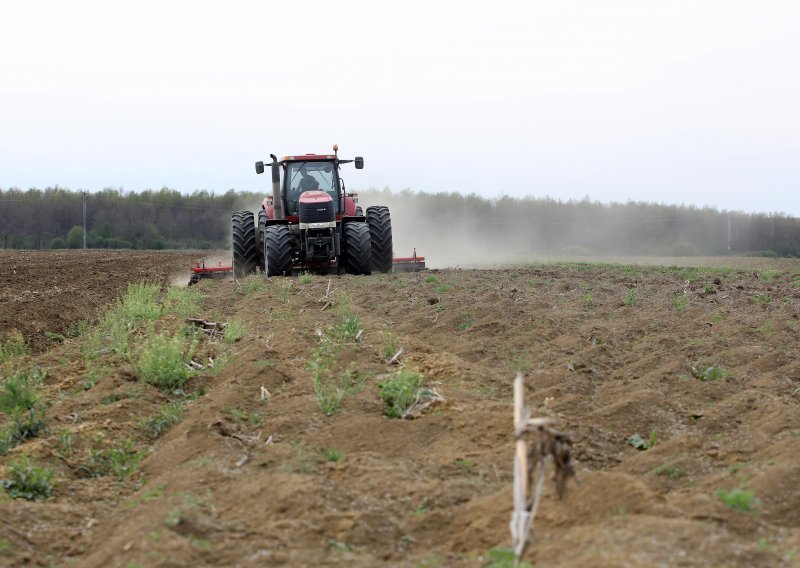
[[276, 187]]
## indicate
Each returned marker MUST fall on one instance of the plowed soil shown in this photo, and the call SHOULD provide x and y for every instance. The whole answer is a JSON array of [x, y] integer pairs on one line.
[[255, 474]]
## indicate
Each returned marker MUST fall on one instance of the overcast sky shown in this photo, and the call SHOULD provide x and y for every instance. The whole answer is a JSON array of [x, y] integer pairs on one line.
[[694, 102]]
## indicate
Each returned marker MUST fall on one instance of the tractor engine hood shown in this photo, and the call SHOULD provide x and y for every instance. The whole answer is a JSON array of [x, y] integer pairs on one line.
[[316, 210]]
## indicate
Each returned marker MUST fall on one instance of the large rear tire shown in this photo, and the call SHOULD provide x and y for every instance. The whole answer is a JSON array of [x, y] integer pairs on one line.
[[380, 229], [277, 250], [245, 253], [357, 251]]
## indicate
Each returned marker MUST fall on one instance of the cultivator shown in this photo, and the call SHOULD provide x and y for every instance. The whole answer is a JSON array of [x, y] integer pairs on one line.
[[201, 272]]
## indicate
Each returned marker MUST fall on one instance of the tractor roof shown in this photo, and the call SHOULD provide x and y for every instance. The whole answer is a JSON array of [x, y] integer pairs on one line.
[[308, 158]]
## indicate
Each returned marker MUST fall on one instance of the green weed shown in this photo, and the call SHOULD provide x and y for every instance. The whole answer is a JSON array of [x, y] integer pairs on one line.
[[28, 481], [631, 297], [78, 328], [285, 289], [765, 299], [122, 460], [400, 392], [504, 558], [768, 274], [66, 443], [332, 455], [708, 373], [13, 346], [390, 345], [431, 279], [738, 499], [443, 288], [163, 361], [169, 415], [305, 278], [185, 302], [234, 331], [673, 471], [679, 302], [640, 443], [587, 298]]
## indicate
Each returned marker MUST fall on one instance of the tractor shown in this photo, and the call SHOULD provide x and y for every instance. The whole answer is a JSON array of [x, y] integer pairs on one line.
[[310, 223]]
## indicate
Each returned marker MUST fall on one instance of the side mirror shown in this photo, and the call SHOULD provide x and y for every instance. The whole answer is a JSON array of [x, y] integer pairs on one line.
[[259, 167], [359, 163]]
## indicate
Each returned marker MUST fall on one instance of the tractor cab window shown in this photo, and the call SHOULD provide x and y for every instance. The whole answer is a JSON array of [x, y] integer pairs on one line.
[[309, 176]]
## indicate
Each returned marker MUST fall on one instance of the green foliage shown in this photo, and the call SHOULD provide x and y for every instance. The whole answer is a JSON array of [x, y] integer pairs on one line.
[[504, 558], [706, 373], [738, 499], [332, 454], [347, 329], [284, 290], [640, 443], [13, 346], [431, 279], [169, 415], [768, 274], [163, 361], [28, 481], [673, 471], [253, 284], [679, 302], [185, 302], [305, 278], [19, 401], [762, 299], [122, 460], [389, 345], [400, 391], [233, 331], [78, 328], [138, 305], [631, 297]]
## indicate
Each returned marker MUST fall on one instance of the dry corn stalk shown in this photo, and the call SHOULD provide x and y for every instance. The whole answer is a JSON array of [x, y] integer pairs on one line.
[[546, 444]]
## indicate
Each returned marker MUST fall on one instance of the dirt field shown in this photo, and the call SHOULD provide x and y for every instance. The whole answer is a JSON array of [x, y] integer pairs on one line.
[[702, 361]]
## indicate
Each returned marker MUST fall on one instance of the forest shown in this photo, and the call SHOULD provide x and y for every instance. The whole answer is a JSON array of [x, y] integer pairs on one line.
[[167, 219]]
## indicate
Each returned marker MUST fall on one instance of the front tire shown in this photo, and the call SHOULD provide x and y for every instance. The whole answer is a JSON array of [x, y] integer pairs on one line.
[[380, 228], [245, 253], [277, 250], [357, 250]]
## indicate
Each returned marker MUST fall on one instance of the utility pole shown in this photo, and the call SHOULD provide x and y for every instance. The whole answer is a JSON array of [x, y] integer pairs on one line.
[[84, 197]]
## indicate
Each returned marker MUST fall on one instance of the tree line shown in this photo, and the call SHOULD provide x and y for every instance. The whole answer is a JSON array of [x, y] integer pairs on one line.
[[168, 219]]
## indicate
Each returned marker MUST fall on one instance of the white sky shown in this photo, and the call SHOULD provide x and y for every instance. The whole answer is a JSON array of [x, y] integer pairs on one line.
[[694, 102]]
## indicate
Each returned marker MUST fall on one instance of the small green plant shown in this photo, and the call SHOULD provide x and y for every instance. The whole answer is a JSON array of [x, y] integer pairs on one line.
[[78, 328], [332, 455], [185, 302], [285, 289], [443, 288], [504, 558], [347, 329], [631, 297], [765, 299], [673, 471], [169, 415], [768, 274], [13, 346], [19, 391], [640, 443], [431, 279], [679, 302], [164, 362], [66, 443], [708, 373], [28, 481], [57, 337], [122, 460], [400, 392], [738, 499], [708, 288], [390, 345], [234, 331], [305, 278], [4, 546], [587, 298]]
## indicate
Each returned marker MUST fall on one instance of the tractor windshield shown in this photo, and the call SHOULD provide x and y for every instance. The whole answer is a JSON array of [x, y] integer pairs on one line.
[[309, 176]]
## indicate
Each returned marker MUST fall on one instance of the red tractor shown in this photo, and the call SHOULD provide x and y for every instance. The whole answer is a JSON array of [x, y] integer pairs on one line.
[[311, 223]]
